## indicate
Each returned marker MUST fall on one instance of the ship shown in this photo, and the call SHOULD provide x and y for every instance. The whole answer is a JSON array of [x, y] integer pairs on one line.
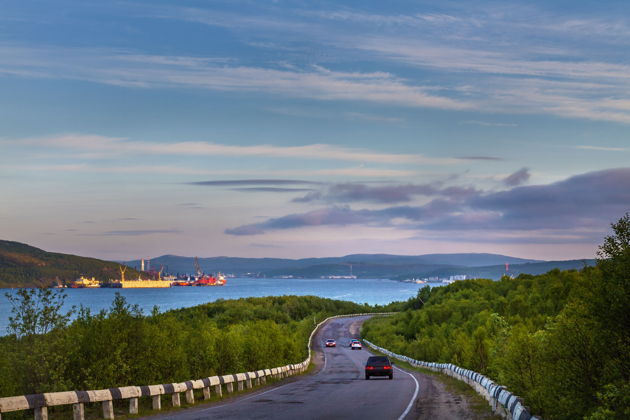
[[85, 283], [141, 284], [182, 283], [202, 279], [211, 280]]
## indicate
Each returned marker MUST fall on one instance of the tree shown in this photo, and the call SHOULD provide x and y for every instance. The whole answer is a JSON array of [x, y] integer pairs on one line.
[[37, 311], [611, 305], [618, 245]]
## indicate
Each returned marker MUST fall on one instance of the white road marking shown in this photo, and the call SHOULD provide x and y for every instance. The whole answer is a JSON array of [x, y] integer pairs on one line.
[[415, 394]]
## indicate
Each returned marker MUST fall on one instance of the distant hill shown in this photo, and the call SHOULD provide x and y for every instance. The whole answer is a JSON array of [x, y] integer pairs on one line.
[[361, 265], [495, 272], [22, 265]]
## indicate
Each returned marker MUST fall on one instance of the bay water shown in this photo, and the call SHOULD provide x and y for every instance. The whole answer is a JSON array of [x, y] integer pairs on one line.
[[371, 291]]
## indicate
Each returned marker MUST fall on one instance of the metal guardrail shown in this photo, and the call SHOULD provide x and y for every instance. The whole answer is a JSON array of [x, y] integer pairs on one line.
[[502, 401], [40, 402]]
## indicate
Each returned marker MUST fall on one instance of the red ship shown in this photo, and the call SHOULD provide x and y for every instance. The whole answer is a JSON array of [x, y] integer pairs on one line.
[[206, 279]]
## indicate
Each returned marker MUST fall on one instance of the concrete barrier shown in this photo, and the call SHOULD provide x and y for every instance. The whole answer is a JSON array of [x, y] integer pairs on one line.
[[39, 403], [502, 401]]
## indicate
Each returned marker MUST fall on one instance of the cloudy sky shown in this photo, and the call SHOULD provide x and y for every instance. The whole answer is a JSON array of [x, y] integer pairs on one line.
[[296, 128]]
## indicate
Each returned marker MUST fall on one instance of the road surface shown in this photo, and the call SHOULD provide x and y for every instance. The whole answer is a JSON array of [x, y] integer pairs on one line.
[[339, 390]]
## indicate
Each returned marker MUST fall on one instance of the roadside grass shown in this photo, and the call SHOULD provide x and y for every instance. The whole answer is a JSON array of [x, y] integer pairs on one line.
[[476, 402]]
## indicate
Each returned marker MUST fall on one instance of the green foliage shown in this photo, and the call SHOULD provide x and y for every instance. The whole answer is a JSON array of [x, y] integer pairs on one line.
[[561, 340], [122, 346]]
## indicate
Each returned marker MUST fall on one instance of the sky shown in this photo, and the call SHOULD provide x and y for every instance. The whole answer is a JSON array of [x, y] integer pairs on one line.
[[292, 129]]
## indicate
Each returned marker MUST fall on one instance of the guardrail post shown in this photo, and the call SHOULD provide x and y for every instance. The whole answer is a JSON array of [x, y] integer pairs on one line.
[[41, 413], [218, 390], [206, 393], [230, 387], [78, 411], [156, 402], [108, 409], [133, 406], [190, 396], [175, 399], [239, 385]]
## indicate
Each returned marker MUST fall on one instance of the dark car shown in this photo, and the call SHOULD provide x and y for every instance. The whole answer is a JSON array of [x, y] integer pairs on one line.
[[379, 366]]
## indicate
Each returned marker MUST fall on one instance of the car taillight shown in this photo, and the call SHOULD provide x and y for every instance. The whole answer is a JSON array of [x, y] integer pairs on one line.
[[369, 368], [387, 367]]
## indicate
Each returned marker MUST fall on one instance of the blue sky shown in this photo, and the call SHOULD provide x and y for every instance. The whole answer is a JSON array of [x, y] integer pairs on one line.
[[295, 128]]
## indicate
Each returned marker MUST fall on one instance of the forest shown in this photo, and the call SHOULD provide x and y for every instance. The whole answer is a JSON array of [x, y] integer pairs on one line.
[[560, 340], [122, 346]]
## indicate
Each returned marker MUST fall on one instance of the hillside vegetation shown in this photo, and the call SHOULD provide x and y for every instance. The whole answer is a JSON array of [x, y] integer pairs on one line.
[[123, 346], [561, 340], [22, 265]]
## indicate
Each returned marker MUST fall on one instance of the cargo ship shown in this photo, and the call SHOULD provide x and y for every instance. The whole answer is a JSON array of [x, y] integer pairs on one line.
[[85, 283], [141, 284]]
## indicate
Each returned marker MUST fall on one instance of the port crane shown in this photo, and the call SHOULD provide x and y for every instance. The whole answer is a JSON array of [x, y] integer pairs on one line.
[[122, 273], [198, 271]]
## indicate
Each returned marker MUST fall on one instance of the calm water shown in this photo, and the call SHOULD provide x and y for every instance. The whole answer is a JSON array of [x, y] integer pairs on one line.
[[372, 291]]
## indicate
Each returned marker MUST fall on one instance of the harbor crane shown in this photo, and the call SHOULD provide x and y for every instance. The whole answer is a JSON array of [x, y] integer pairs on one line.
[[198, 271]]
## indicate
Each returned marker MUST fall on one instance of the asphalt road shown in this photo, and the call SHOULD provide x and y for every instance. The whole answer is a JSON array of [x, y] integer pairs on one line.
[[339, 390]]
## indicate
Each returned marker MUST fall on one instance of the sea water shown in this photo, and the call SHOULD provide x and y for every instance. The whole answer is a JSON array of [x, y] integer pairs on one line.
[[371, 291]]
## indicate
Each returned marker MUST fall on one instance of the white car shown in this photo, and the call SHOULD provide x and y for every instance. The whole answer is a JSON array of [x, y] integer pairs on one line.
[[356, 345]]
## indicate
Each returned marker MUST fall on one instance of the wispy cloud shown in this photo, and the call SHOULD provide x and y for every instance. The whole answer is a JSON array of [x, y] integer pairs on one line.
[[324, 114], [237, 182], [604, 149], [147, 71], [141, 232], [479, 158], [272, 189], [120, 146], [488, 123], [260, 185]]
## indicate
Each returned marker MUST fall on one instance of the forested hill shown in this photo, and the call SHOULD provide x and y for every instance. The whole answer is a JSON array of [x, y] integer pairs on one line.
[[22, 265]]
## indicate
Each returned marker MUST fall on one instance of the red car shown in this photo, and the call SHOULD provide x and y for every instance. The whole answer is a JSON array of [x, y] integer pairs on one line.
[[331, 343]]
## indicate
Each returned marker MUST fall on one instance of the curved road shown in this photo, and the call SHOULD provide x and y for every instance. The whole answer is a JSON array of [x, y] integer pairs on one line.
[[339, 390]]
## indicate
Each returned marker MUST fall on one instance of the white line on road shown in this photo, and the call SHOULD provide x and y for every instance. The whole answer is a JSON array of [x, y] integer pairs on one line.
[[415, 394]]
